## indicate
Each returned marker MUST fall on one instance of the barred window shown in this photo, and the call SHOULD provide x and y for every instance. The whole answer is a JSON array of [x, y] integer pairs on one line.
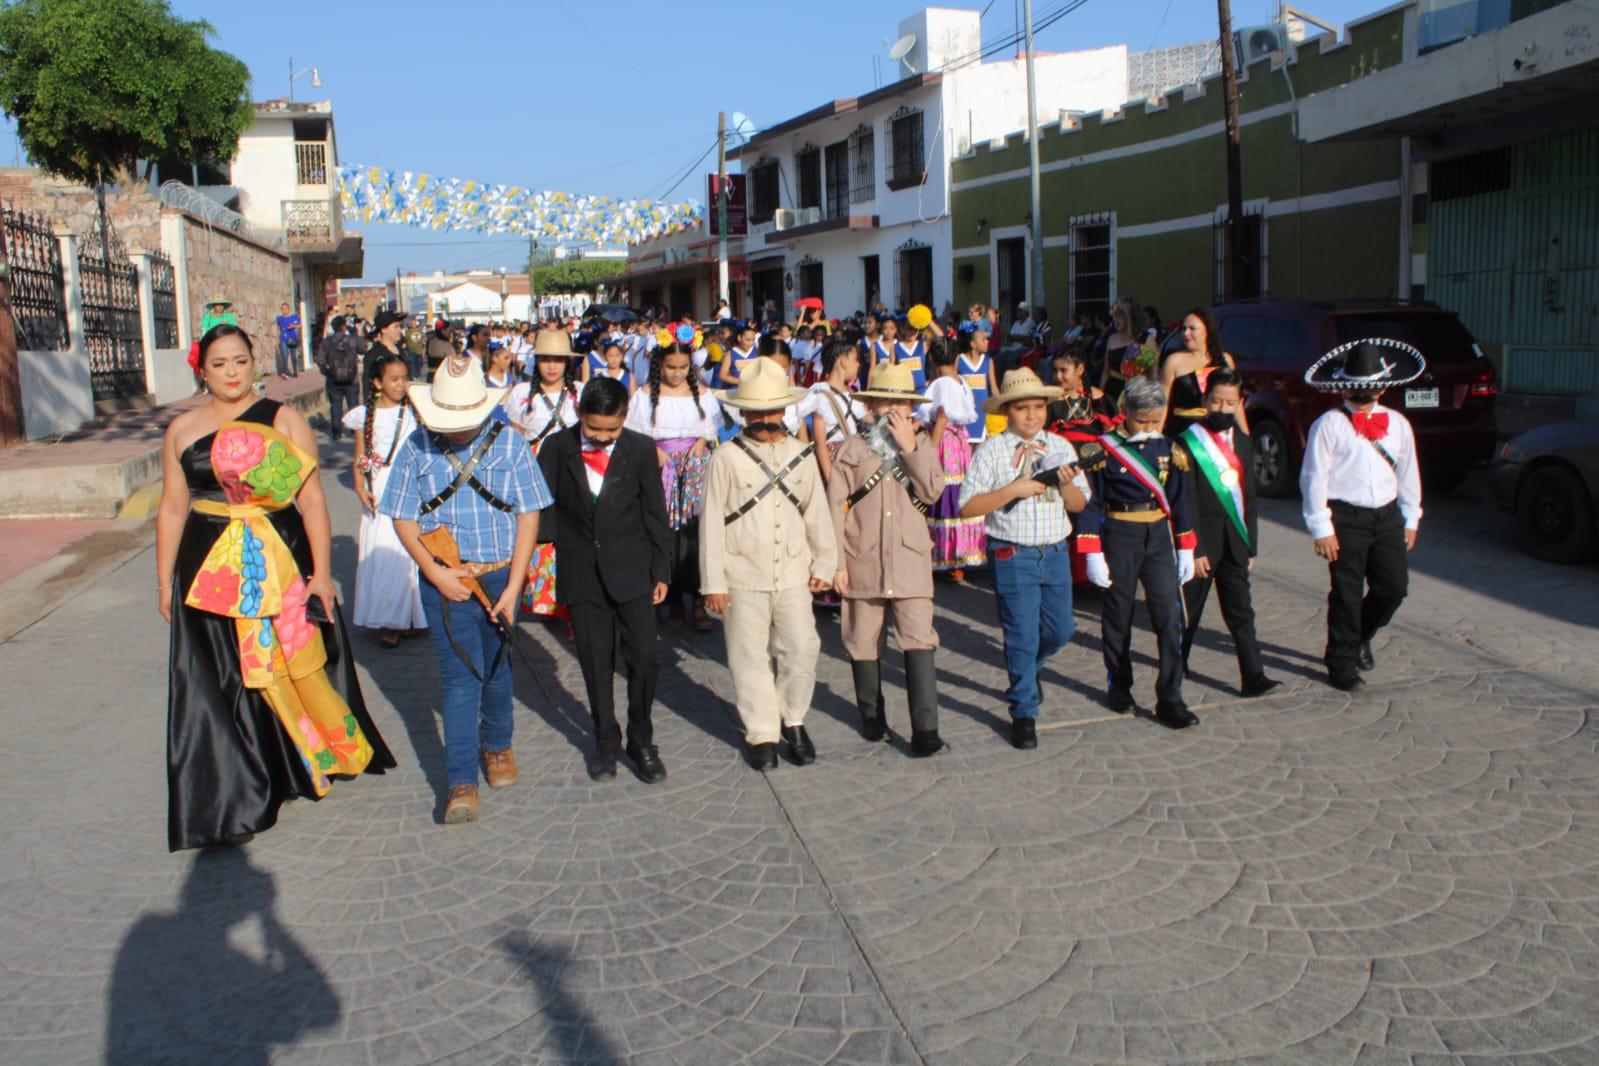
[[808, 163], [1250, 236], [863, 160], [907, 166], [1093, 257], [763, 190]]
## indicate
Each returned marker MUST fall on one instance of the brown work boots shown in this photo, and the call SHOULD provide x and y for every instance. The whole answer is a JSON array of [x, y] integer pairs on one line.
[[499, 768]]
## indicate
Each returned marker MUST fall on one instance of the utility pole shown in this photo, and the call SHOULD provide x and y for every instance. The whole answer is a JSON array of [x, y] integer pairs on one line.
[[721, 204], [1235, 175], [1035, 295], [532, 289]]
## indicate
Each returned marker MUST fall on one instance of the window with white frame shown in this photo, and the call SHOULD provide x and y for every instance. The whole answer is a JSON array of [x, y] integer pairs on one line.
[[808, 165], [1093, 263], [907, 164], [863, 165], [1249, 237]]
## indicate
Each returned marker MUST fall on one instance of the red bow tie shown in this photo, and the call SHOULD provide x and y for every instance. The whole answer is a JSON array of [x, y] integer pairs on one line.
[[1373, 425], [597, 460]]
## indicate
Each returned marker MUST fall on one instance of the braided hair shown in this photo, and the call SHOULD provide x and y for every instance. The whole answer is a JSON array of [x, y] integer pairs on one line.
[[657, 362], [379, 366], [535, 385]]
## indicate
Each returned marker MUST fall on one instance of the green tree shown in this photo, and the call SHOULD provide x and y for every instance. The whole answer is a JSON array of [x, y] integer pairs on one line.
[[97, 85], [577, 275]]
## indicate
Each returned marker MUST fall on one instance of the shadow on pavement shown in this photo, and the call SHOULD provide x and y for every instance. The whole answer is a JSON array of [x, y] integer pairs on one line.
[[184, 990], [571, 1033]]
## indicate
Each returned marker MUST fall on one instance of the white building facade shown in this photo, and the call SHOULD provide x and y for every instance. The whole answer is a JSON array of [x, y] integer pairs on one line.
[[850, 202]]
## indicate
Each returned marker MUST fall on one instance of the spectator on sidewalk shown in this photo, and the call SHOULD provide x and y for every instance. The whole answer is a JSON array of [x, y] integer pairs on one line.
[[288, 343], [340, 364]]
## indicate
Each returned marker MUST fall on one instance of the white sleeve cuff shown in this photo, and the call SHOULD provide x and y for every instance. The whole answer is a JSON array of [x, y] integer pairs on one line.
[[1320, 528]]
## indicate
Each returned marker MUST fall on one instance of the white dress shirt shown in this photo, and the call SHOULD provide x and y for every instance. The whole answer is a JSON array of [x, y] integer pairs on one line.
[[595, 478], [1340, 464]]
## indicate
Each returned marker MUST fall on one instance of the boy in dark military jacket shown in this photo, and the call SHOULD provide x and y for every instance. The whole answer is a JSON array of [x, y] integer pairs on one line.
[[1137, 527]]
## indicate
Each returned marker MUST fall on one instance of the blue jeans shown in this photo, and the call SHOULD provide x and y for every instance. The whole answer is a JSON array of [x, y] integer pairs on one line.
[[477, 713], [289, 358], [1033, 588]]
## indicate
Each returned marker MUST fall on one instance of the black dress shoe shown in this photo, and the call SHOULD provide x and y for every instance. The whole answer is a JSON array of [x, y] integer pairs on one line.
[[1346, 682], [874, 729], [1119, 701], [648, 761], [1024, 733], [763, 756], [924, 745], [800, 748], [1258, 686], [1175, 716], [603, 766], [1364, 659]]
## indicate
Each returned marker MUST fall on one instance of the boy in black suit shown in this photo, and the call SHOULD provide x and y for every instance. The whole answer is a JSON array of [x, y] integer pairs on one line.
[[1224, 457], [612, 543]]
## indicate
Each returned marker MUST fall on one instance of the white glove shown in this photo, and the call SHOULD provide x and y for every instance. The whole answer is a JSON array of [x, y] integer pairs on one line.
[[1185, 565], [1098, 571]]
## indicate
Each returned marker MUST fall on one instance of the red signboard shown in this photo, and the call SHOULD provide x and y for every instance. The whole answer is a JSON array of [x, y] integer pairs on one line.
[[738, 217]]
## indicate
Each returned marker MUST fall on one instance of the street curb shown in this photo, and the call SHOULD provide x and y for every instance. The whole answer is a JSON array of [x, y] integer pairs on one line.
[[32, 596]]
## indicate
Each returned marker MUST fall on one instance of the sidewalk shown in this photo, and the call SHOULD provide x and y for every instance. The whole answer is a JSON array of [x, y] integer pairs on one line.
[[91, 473]]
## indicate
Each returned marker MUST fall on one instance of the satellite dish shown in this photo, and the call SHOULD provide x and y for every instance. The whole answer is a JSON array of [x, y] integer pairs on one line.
[[743, 129], [901, 49]]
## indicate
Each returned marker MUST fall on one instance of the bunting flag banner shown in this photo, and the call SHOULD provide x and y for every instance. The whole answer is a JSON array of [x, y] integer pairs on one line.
[[377, 194]]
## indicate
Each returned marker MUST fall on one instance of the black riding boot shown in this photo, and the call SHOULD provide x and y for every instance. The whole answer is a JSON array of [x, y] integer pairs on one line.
[[921, 689], [869, 698]]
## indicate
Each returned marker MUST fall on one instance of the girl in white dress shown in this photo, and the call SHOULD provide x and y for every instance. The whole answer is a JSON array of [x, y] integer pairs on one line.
[[683, 417], [539, 409], [833, 411], [387, 595]]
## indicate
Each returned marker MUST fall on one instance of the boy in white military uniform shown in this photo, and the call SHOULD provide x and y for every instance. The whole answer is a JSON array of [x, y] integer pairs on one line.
[[766, 545]]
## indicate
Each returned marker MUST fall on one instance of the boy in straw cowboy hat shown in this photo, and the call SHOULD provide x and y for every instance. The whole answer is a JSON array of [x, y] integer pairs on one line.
[[882, 485], [472, 474], [1362, 496], [766, 545], [1024, 481]]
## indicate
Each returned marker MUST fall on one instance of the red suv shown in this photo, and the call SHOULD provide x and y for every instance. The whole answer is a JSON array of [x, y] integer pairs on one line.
[[1451, 406]]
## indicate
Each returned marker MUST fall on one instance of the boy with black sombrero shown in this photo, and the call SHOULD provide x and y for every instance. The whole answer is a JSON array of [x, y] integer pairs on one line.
[[473, 475], [1362, 495]]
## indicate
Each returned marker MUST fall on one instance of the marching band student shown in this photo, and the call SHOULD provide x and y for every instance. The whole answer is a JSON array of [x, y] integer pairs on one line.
[[539, 409], [1362, 496], [611, 537], [1023, 482], [1138, 527], [1229, 533], [951, 412], [613, 367], [881, 348], [682, 417], [492, 514], [740, 354], [882, 486], [765, 546]]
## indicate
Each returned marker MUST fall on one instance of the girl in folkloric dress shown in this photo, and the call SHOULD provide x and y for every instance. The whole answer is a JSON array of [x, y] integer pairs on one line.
[[539, 409], [263, 703], [387, 595], [683, 417], [951, 412], [832, 409]]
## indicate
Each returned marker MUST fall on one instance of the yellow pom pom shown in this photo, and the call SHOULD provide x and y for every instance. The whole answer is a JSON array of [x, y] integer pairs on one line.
[[919, 316]]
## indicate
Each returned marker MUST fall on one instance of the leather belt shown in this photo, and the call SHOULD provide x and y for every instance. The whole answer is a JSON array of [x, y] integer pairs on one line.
[[1131, 508], [479, 569], [1189, 412]]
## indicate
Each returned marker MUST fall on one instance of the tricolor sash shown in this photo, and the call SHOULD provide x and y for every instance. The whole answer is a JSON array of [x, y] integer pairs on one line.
[[1220, 465], [1137, 466]]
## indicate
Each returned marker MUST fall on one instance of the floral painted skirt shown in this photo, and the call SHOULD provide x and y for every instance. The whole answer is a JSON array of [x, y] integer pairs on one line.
[[957, 542], [538, 594]]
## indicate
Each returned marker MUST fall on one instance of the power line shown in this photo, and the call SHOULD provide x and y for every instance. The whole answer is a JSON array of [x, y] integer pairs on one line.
[[1159, 26], [681, 178]]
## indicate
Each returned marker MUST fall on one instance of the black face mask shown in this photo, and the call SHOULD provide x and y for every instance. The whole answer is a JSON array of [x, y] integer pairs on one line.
[[1219, 421], [1362, 397]]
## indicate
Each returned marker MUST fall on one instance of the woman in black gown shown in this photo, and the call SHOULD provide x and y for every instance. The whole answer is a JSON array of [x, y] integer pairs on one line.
[[262, 701], [1185, 371]]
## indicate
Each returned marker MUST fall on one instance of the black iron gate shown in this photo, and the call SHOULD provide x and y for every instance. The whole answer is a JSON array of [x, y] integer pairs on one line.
[[37, 300], [111, 313], [164, 291]]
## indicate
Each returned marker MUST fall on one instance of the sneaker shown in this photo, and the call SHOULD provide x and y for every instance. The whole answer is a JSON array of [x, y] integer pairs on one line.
[[461, 807]]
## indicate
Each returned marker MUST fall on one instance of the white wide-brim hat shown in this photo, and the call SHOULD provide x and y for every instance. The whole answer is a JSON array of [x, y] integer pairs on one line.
[[762, 386], [458, 399], [1020, 384]]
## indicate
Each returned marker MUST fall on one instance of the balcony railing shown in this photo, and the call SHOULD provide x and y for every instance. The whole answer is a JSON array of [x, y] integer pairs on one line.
[[311, 162], [312, 225]]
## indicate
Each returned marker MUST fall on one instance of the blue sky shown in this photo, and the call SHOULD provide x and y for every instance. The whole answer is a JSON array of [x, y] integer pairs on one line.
[[612, 97]]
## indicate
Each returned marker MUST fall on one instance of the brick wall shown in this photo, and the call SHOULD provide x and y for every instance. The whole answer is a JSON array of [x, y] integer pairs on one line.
[[135, 214]]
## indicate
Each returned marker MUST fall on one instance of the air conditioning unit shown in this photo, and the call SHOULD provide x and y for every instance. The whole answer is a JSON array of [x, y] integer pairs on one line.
[[1258, 42], [783, 218], [809, 216]]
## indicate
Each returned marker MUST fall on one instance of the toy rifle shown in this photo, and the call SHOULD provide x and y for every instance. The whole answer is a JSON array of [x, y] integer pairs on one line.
[[446, 553]]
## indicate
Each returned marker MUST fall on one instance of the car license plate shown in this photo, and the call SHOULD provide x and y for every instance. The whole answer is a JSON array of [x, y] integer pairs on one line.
[[1421, 398]]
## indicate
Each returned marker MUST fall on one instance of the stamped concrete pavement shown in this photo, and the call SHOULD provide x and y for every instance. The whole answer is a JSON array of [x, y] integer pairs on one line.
[[1406, 874]]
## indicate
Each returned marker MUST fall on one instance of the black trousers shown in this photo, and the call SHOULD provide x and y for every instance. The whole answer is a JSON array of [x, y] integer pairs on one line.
[[1230, 574], [1369, 579], [685, 562], [340, 399], [595, 625], [1142, 552]]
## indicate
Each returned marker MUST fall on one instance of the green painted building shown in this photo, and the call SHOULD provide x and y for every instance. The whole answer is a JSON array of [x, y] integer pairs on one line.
[[1135, 202]]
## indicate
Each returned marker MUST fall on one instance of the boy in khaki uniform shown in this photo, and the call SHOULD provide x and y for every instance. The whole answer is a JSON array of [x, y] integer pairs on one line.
[[766, 545], [884, 482]]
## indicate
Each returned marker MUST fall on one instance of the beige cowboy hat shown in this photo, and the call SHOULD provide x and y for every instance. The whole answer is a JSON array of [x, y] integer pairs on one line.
[[1020, 384], [891, 381], [458, 399], [219, 301], [554, 344], [762, 386]]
